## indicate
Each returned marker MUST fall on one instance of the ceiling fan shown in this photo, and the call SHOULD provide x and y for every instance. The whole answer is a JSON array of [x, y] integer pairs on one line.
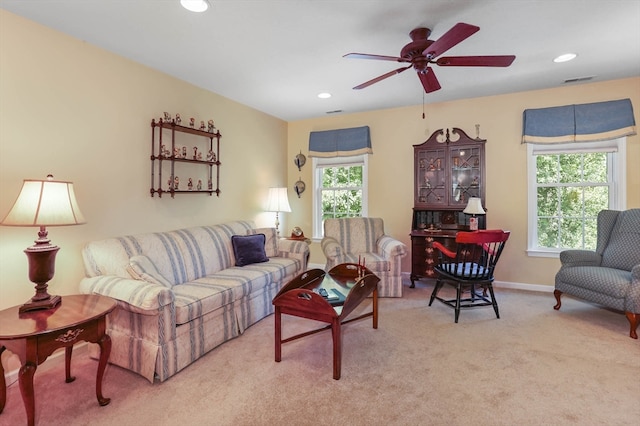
[[421, 52]]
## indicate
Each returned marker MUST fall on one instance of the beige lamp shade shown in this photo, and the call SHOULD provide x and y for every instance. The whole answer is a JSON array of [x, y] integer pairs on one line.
[[278, 200], [45, 203], [474, 206]]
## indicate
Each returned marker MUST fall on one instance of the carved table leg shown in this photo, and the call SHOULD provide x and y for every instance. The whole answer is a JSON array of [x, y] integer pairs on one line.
[[105, 351], [67, 364], [3, 385], [25, 378]]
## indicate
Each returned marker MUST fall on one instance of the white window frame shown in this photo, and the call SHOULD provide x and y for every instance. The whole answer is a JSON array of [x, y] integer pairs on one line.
[[617, 177], [318, 163]]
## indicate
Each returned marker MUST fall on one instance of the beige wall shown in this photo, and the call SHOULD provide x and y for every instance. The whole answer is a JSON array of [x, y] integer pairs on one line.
[[394, 132], [83, 114]]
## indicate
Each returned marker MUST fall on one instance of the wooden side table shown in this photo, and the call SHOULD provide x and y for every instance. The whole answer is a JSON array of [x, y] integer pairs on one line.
[[33, 336]]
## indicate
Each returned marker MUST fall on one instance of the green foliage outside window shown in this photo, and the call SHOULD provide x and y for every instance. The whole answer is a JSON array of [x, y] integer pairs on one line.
[[341, 192], [571, 190]]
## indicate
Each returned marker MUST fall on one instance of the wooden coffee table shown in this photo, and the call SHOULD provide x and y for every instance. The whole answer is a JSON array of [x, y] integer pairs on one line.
[[33, 336], [300, 298]]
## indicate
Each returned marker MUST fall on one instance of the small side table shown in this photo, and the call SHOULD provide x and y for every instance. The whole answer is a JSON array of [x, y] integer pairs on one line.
[[33, 336]]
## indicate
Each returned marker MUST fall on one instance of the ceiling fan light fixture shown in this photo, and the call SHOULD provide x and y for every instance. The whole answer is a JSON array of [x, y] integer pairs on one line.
[[195, 5], [324, 95], [565, 57]]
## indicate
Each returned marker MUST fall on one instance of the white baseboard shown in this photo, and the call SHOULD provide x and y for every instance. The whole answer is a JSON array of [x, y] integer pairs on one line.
[[512, 285], [503, 284]]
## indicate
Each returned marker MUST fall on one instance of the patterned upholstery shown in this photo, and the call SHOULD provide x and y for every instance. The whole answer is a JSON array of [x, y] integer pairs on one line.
[[351, 239], [157, 330], [610, 275]]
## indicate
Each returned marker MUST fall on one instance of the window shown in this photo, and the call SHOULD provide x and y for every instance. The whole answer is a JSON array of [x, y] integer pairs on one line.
[[568, 185], [339, 189]]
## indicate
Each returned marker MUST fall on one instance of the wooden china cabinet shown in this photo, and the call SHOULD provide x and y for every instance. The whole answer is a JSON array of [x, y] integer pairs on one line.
[[449, 168]]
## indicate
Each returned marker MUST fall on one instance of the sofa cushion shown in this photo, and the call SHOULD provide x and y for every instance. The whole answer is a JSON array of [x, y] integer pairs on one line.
[[199, 297], [596, 279], [249, 249], [271, 242], [622, 250], [142, 268]]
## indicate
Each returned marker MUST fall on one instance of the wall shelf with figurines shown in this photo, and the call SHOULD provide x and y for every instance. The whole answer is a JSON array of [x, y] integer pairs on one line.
[[170, 146]]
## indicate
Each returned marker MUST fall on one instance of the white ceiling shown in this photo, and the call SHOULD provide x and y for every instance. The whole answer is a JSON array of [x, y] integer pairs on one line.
[[277, 55]]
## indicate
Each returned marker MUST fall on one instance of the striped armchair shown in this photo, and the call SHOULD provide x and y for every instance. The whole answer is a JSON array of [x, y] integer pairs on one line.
[[351, 239], [610, 275]]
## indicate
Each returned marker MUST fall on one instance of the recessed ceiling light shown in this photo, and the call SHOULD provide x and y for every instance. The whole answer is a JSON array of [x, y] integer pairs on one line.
[[195, 5], [566, 57], [324, 95]]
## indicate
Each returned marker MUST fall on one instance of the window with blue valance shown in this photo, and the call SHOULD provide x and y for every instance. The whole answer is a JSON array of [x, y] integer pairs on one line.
[[579, 123], [340, 142]]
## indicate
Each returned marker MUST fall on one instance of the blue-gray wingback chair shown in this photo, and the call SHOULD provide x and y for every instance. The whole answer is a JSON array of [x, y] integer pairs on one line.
[[355, 238], [610, 275]]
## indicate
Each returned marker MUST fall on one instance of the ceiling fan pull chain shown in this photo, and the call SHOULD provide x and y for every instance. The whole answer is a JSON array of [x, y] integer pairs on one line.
[[423, 105]]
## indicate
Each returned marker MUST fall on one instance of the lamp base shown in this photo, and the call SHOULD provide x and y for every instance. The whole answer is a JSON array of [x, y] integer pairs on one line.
[[37, 305]]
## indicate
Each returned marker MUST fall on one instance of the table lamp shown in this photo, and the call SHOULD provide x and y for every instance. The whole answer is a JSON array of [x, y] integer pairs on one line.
[[278, 202], [43, 203], [474, 207]]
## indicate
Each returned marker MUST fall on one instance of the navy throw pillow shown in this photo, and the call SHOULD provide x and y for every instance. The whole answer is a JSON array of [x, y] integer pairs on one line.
[[249, 249]]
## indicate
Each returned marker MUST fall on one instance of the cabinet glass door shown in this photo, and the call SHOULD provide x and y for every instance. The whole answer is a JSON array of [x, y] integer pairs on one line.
[[430, 177], [466, 176]]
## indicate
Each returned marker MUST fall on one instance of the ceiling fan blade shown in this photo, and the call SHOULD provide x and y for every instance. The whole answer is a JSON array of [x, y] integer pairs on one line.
[[476, 61], [455, 35], [429, 81], [378, 57], [380, 78]]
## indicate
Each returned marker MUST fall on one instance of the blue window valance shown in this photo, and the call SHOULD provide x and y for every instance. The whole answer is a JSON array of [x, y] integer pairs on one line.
[[340, 142], [579, 123]]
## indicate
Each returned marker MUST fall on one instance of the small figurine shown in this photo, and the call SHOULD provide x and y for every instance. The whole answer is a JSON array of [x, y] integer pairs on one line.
[[190, 184], [167, 117], [176, 183], [211, 156], [176, 152], [432, 166], [184, 152], [199, 186], [202, 125], [199, 156], [211, 127], [195, 152], [170, 183], [178, 119], [192, 122], [210, 185]]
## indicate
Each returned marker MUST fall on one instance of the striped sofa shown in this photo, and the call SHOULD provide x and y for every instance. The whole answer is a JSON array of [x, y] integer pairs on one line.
[[180, 294]]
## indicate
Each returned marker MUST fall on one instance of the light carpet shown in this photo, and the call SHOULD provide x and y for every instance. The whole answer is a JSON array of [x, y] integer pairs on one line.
[[533, 366]]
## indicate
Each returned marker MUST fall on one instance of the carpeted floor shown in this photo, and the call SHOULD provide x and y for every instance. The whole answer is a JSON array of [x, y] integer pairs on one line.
[[534, 366]]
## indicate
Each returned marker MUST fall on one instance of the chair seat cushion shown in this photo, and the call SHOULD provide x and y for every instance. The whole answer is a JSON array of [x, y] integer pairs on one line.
[[373, 261], [467, 270], [614, 282]]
